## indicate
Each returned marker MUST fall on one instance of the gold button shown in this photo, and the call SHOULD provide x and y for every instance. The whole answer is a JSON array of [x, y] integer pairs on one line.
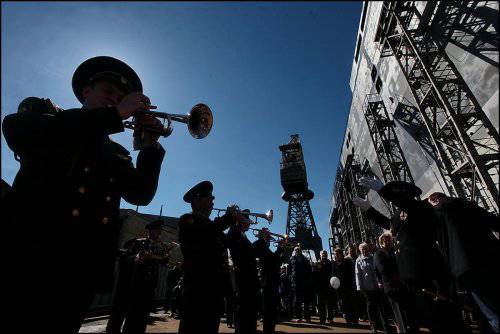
[[81, 190], [105, 220], [75, 212], [397, 242], [108, 198]]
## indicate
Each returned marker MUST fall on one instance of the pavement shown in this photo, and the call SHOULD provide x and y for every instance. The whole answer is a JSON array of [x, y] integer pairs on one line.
[[161, 323]]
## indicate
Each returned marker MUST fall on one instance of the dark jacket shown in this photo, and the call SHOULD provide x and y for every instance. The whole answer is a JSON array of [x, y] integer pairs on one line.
[[271, 264], [244, 254], [324, 273], [203, 247], [465, 236], [387, 269], [301, 273], [345, 272], [72, 178], [417, 254]]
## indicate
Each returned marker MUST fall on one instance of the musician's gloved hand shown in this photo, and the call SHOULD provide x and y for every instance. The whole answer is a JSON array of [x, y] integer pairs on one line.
[[234, 212], [371, 183], [363, 204], [133, 103]]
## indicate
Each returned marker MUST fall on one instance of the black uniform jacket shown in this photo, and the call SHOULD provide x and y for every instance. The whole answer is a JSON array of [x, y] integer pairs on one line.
[[203, 248], [271, 264], [244, 254], [301, 273], [67, 193], [417, 254], [324, 273], [465, 237]]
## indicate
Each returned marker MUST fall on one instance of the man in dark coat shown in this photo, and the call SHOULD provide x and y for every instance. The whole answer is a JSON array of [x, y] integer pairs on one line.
[[137, 283], [421, 265], [271, 266], [344, 270], [326, 294], [469, 249], [66, 196], [173, 277], [247, 285], [388, 274], [203, 250], [300, 277]]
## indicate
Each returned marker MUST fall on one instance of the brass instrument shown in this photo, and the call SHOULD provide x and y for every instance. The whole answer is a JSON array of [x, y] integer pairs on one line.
[[256, 232], [276, 238], [267, 216], [199, 121]]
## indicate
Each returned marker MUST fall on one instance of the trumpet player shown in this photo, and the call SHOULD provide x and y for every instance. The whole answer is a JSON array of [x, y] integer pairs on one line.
[[72, 177], [271, 270], [247, 285], [137, 280], [204, 253]]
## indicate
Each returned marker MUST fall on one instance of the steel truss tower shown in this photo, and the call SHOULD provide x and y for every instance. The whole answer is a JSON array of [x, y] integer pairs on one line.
[[465, 140], [348, 220], [300, 225], [389, 154]]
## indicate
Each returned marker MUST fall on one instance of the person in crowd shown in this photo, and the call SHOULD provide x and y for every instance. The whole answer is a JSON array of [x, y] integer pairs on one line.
[[422, 268], [146, 255], [300, 278], [74, 176], [285, 291], [271, 263], [367, 282], [344, 269], [387, 269], [469, 249], [244, 254], [326, 293], [173, 277], [204, 254]]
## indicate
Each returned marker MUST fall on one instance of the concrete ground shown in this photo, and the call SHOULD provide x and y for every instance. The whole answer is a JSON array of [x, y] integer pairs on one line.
[[161, 323]]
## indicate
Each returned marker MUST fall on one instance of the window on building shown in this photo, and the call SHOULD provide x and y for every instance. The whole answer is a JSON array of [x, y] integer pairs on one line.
[[374, 73], [358, 46], [378, 85], [363, 16]]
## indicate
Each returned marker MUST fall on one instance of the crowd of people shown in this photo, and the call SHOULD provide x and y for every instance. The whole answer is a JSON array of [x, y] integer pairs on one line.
[[63, 214]]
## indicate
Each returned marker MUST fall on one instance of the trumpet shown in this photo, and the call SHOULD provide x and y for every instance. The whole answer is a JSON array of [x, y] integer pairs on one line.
[[276, 238], [199, 121], [267, 216], [257, 231]]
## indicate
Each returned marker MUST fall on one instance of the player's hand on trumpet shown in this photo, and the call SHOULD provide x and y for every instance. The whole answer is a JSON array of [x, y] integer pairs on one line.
[[234, 212], [133, 103], [152, 123]]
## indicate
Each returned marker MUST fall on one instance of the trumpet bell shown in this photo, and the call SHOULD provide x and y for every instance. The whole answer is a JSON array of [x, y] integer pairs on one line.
[[200, 121]]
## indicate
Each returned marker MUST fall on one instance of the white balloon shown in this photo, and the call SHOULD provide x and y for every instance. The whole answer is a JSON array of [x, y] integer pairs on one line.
[[335, 282]]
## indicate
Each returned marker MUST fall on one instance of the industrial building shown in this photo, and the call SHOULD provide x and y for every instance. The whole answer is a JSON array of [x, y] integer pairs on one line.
[[424, 108]]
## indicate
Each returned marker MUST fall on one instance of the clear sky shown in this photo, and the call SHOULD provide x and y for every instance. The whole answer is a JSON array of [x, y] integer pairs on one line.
[[267, 70]]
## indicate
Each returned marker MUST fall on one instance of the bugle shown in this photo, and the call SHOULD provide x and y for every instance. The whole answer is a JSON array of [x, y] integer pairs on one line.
[[199, 121], [267, 216], [257, 231]]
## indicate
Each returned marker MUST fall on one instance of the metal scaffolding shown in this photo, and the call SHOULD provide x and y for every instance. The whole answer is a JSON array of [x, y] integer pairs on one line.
[[349, 224], [465, 140], [389, 154], [470, 25]]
